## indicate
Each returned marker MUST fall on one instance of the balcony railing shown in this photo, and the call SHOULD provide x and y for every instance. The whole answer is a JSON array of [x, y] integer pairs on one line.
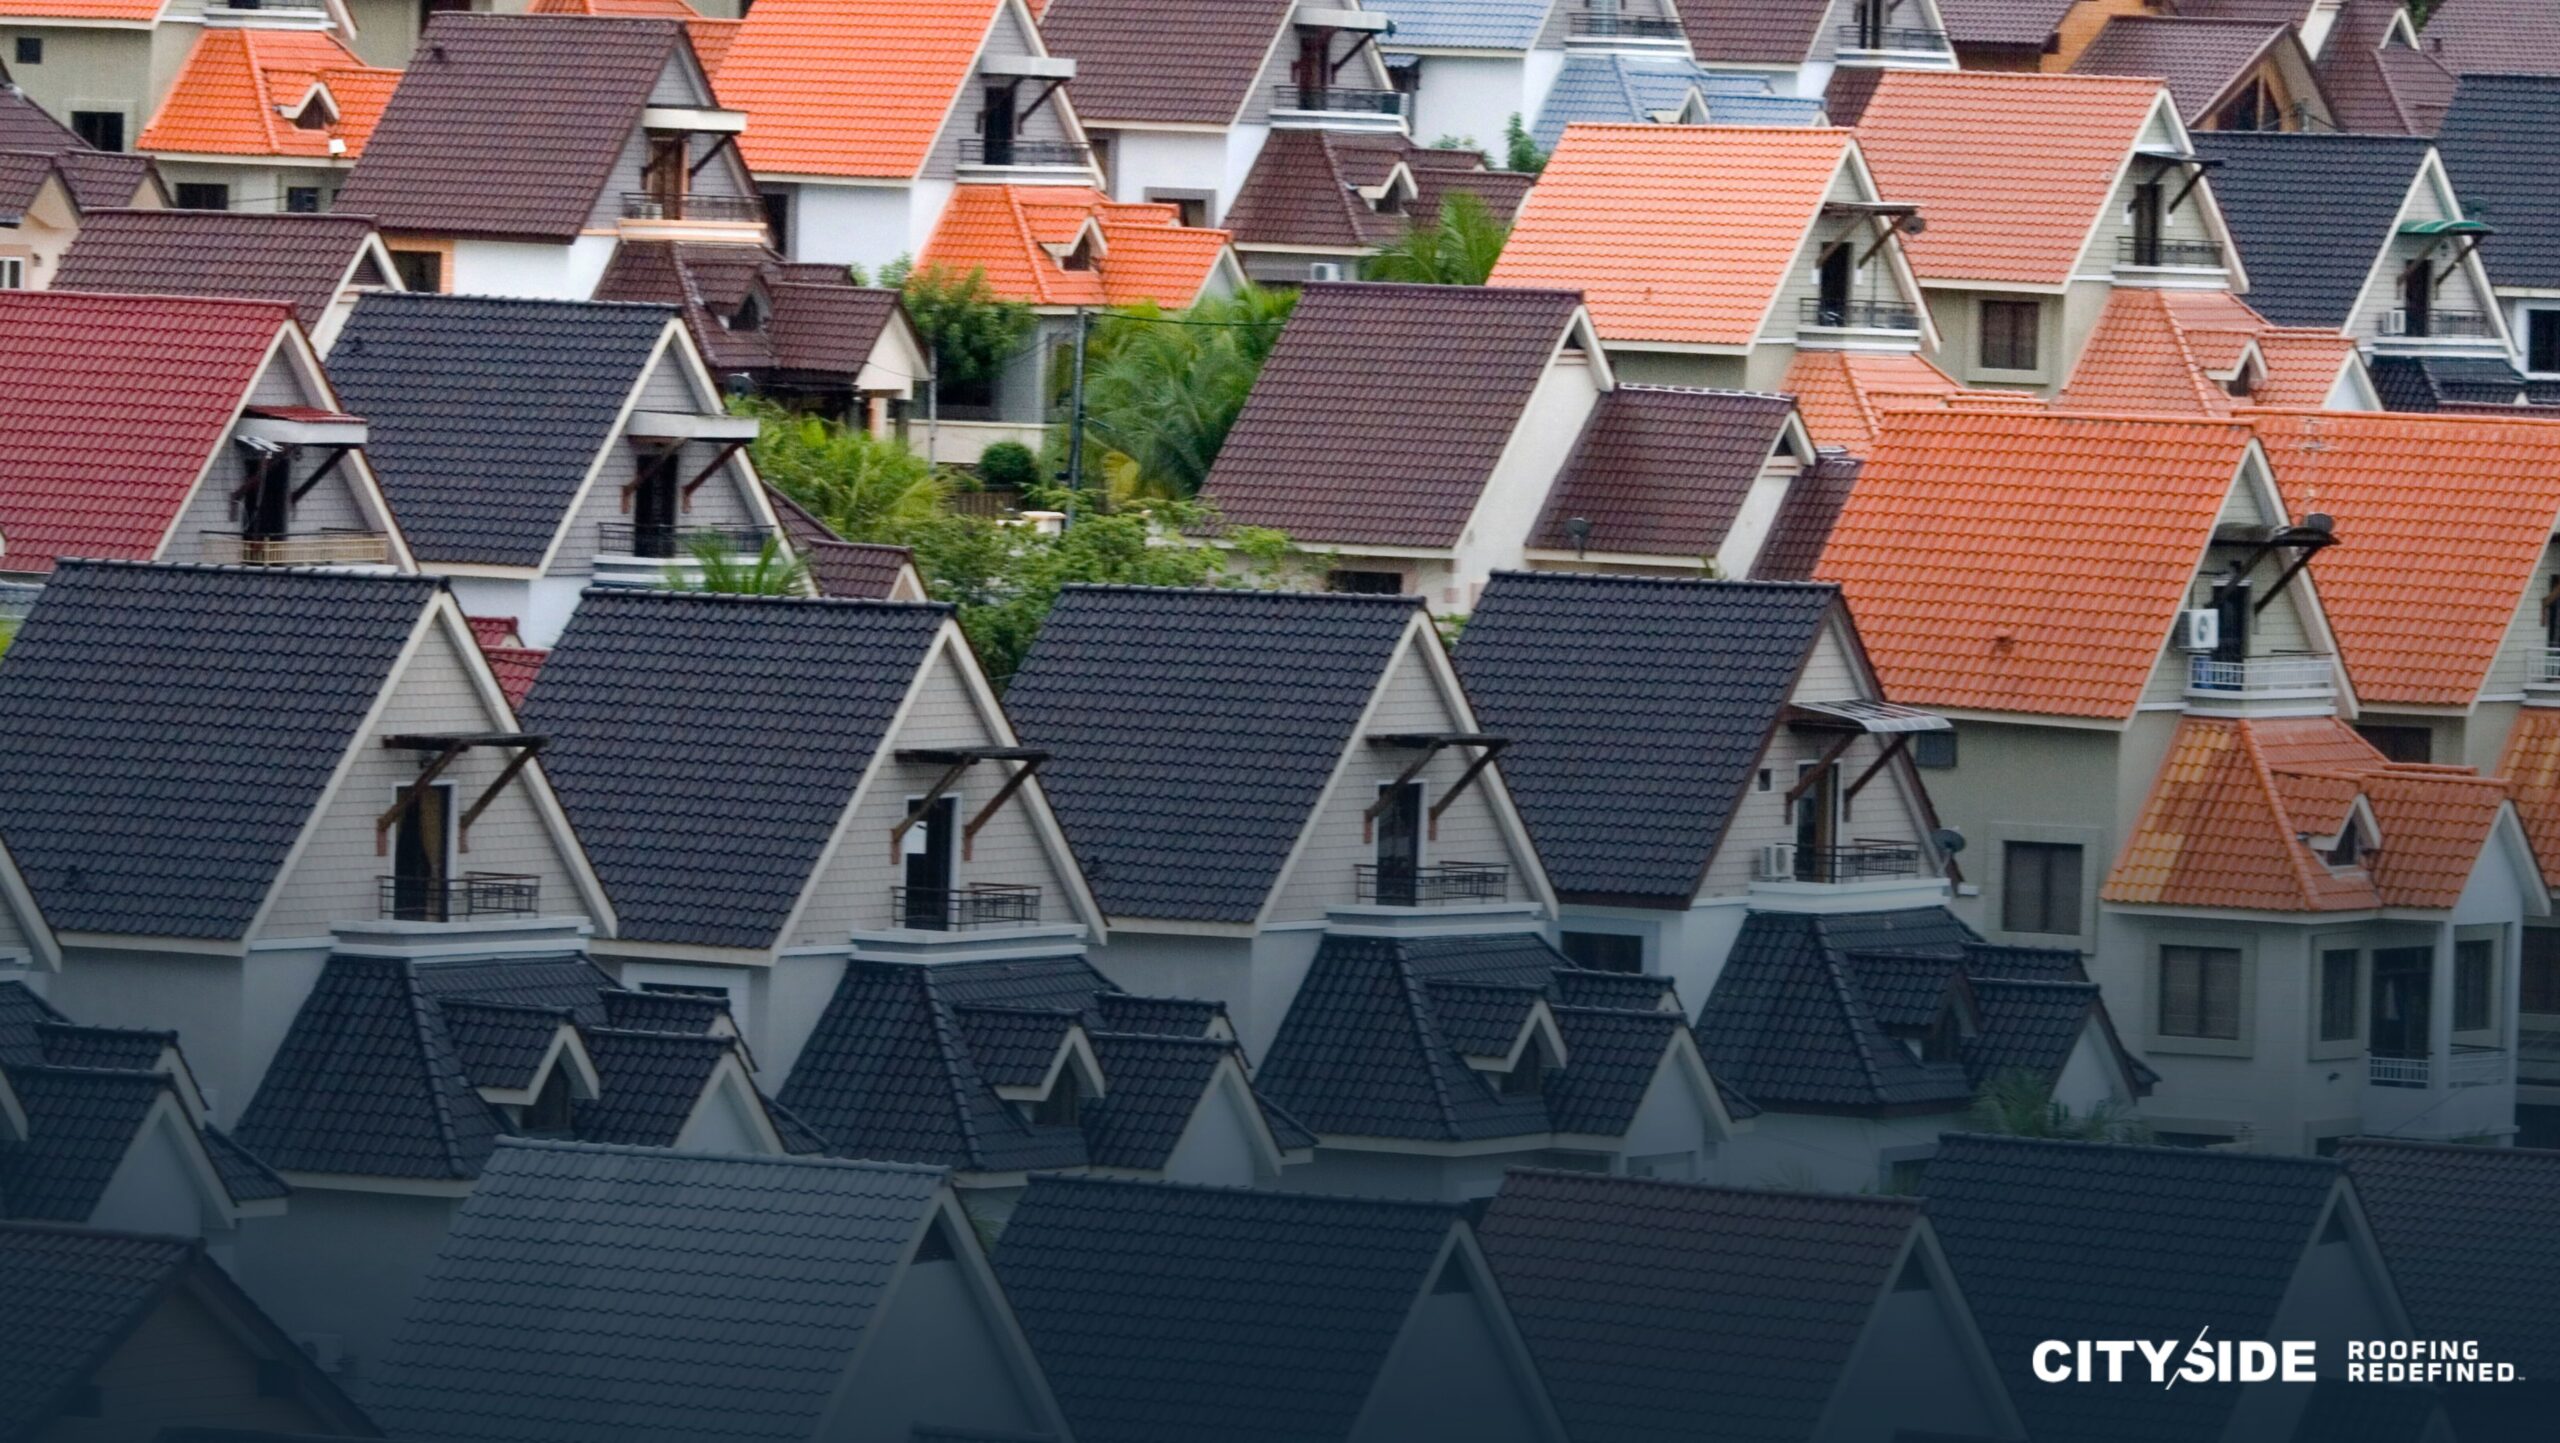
[[17, 598], [730, 209], [2467, 1067], [2264, 676], [964, 909], [1427, 885], [2543, 668], [2134, 250], [1857, 315], [1608, 25], [451, 899], [1860, 861], [669, 543], [1856, 36], [319, 548], [2402, 322], [1340, 99], [978, 150]]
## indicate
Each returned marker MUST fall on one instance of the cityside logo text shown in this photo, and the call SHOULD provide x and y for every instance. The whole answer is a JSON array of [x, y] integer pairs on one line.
[[2208, 1360]]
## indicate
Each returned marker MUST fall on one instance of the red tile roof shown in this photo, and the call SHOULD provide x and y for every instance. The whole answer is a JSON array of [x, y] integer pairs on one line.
[[1931, 137], [2226, 820], [2016, 561], [1845, 395], [855, 88], [1147, 254], [235, 94], [1678, 233], [2442, 524], [110, 408], [2165, 350], [2532, 767]]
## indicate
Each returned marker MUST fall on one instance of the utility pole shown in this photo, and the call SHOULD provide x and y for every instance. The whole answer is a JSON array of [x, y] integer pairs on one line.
[[1075, 427]]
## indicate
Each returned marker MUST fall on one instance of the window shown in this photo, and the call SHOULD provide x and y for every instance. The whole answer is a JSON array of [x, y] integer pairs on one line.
[[2009, 335], [1365, 583], [777, 218], [419, 270], [1399, 844], [1191, 207], [1934, 751], [1832, 276], [2338, 995], [2040, 887], [2200, 992], [2542, 340], [100, 129], [1944, 1040], [548, 1114], [995, 124], [750, 314], [1528, 1076], [2542, 969], [200, 195], [657, 503], [315, 116], [1064, 1104], [932, 851], [1603, 951], [422, 854], [2401, 744], [13, 273], [429, 9], [2350, 849], [1767, 781], [2475, 982], [30, 50], [302, 199], [2143, 216]]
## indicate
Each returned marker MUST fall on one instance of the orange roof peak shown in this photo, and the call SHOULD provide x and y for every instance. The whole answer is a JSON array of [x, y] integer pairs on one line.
[[241, 89], [1016, 234], [851, 88]]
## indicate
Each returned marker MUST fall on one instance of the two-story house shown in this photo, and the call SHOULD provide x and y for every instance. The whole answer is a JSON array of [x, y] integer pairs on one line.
[[101, 67], [2225, 74], [37, 154], [265, 120], [869, 113], [1180, 102], [230, 445], [1717, 255], [478, 194], [1812, 47], [2492, 146], [321, 265], [2365, 235], [1244, 773], [1319, 202], [533, 448], [2207, 353]]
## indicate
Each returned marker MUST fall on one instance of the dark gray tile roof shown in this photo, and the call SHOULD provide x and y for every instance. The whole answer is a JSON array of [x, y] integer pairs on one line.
[[1191, 732], [1168, 1314], [2469, 1237], [705, 746], [499, 1044], [647, 1083], [1661, 471], [2026, 1026], [1751, 1301], [1153, 1085], [1637, 710], [1161, 1016], [74, 1295], [1790, 1022], [2445, 383], [625, 1295], [1130, 65], [1013, 1046], [2496, 142], [819, 328], [80, 1124], [22, 1015], [2309, 213], [1793, 547], [265, 256], [171, 727], [125, 1049], [244, 1175], [564, 981], [485, 415], [663, 1012], [2064, 1240]]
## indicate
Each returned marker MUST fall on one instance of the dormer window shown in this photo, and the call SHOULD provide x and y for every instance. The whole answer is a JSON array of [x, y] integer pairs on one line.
[[548, 1115], [2348, 852], [1528, 1076], [314, 115], [1944, 1040], [1064, 1106], [2243, 382], [1080, 258], [749, 315]]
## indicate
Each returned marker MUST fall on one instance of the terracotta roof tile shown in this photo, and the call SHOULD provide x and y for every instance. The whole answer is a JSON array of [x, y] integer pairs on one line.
[[1673, 232], [2442, 522], [1007, 231], [850, 87], [254, 255], [2200, 60], [1139, 60], [2532, 766], [143, 10], [1845, 395], [1663, 472], [110, 407], [1954, 549], [711, 36], [1926, 135], [234, 95], [2159, 350]]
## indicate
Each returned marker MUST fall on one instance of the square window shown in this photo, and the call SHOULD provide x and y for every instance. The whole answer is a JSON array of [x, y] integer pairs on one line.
[[198, 195], [2200, 992], [99, 129], [2338, 1011], [2009, 335], [1933, 751], [13, 273], [302, 199], [2541, 337], [1603, 951], [419, 270], [2475, 980], [2040, 887], [2400, 743], [2542, 970], [1365, 583], [30, 50]]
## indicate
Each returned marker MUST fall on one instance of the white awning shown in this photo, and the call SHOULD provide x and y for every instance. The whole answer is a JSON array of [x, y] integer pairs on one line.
[[1878, 716], [690, 426]]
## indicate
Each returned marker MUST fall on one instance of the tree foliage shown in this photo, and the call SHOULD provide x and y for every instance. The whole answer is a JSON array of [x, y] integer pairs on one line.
[[1519, 152], [866, 488], [1458, 248], [972, 331], [2018, 1103], [1008, 466], [1163, 391], [770, 572]]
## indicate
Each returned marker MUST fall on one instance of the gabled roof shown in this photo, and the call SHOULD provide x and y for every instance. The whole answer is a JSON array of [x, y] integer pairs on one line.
[[2201, 61], [1680, 233], [2466, 1232], [475, 468], [110, 409], [1843, 395], [97, 178], [2468, 384], [23, 177], [2238, 812], [508, 127], [1618, 89], [853, 570], [818, 327], [2060, 1240], [1781, 33], [2532, 768], [2309, 213], [850, 88], [706, 746], [1948, 552], [711, 36], [1637, 710], [171, 729], [1464, 24], [241, 90], [1022, 235], [2377, 80], [2002, 24], [569, 1300], [2505, 37], [2028, 219], [1133, 66], [1798, 1015], [2494, 143], [1304, 189], [1663, 472], [1249, 698], [2421, 608], [2176, 351], [1802, 527], [95, 10], [1383, 410], [302, 260]]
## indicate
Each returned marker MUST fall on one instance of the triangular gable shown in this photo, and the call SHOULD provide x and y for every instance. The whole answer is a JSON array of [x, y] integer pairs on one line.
[[1921, 1326], [2431, 196], [165, 1166], [2163, 132], [1459, 1328], [731, 1103], [1851, 181]]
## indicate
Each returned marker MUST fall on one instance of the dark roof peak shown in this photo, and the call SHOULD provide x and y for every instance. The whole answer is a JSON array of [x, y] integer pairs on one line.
[[1250, 595], [1448, 295], [1680, 1187], [775, 1160], [1730, 585], [2069, 1146], [1257, 1196], [724, 601]]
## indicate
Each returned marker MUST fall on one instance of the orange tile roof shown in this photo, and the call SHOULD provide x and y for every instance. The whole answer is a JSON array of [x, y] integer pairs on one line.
[[1006, 230], [1672, 232], [2532, 766], [1844, 395], [2225, 822], [230, 96], [855, 88], [711, 37], [2008, 560], [2011, 171], [2303, 365], [2162, 350], [2442, 521], [142, 10]]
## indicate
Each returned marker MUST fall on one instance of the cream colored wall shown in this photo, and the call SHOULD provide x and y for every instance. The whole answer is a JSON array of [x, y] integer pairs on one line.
[[721, 501], [93, 69], [330, 506]]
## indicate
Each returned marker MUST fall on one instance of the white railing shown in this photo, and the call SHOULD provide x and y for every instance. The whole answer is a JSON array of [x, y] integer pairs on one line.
[[2397, 1071], [2543, 669], [2468, 1067], [2265, 676]]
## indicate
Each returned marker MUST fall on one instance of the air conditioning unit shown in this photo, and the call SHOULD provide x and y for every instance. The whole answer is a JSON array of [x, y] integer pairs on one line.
[[1778, 862], [1324, 270], [2199, 629], [2395, 322]]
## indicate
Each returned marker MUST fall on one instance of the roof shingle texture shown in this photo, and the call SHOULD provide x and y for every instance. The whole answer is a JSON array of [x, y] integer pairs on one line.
[[241, 89], [297, 259], [2505, 37], [1137, 61], [849, 569], [818, 326], [1006, 231], [2163, 351], [1640, 90], [1462, 24], [706, 746], [1663, 472], [2377, 87], [1783, 32], [171, 728], [508, 126], [1803, 524], [1795, 1019], [1843, 395], [2002, 23], [851, 88], [2310, 214], [485, 415], [1191, 732], [96, 178], [2467, 1234], [73, 1296], [2532, 768], [624, 1294], [1303, 189], [1674, 232], [1383, 409], [1637, 709], [2495, 143], [2199, 60]]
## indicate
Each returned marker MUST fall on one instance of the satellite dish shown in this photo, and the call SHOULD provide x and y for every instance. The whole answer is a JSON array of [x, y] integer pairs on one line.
[[1949, 840]]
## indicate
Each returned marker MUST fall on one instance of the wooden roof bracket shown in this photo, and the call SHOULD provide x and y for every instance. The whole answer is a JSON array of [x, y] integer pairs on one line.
[[2195, 178], [728, 140], [1891, 228], [517, 763], [1367, 40], [950, 778], [727, 450], [1012, 784], [446, 749], [318, 473], [1823, 763], [410, 794], [1485, 754], [1039, 100], [1431, 744], [1894, 748]]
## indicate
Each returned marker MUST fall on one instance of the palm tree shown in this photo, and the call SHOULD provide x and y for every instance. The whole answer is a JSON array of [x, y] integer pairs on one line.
[[2020, 1103], [718, 569], [864, 487], [1162, 390], [1458, 248]]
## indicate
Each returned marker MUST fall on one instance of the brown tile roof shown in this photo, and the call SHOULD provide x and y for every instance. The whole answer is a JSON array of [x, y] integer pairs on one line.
[[1383, 408], [819, 326], [1662, 472], [2374, 90], [841, 568], [508, 126], [1805, 519], [1780, 32], [1141, 60], [97, 178], [1303, 189], [2502, 37], [2201, 61], [2005, 24], [248, 255]]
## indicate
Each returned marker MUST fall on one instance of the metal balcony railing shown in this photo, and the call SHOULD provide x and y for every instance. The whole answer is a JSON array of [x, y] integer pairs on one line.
[[2544, 668], [452, 899], [2402, 322], [669, 543], [2264, 676], [17, 598], [1857, 315], [1861, 860], [731, 209], [978, 150], [2134, 250], [1423, 886], [2467, 1067], [318, 548], [1609, 25], [964, 909], [1339, 99], [1857, 35]]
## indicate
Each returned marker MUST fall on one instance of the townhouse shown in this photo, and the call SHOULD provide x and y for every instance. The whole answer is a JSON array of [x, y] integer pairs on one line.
[[2497, 126], [1820, 47], [1319, 202], [102, 69], [50, 182], [265, 120], [320, 265]]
